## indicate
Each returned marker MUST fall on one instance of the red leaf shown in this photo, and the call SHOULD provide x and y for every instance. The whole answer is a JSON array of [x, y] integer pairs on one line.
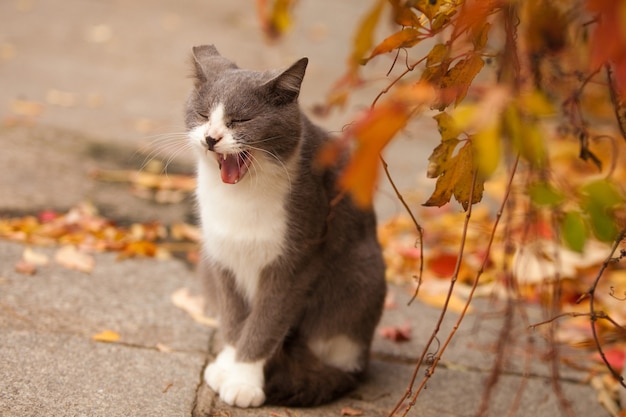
[[442, 265], [397, 334], [615, 356]]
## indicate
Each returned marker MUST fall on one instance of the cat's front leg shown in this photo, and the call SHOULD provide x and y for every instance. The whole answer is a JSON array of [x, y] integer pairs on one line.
[[238, 383]]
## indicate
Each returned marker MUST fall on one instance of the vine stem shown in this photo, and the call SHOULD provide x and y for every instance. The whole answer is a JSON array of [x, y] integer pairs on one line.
[[418, 227], [593, 315]]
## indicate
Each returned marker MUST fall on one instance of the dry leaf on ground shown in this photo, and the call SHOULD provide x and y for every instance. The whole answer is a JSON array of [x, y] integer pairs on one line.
[[349, 411], [72, 258], [106, 336], [192, 305]]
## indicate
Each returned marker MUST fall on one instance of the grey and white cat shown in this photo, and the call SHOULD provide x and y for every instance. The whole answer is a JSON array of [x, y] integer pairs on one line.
[[298, 281]]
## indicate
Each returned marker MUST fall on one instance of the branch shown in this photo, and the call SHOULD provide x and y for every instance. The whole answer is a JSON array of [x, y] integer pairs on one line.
[[595, 315], [418, 227]]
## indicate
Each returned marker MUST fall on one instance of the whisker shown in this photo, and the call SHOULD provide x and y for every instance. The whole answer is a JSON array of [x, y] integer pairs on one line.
[[165, 147], [282, 164]]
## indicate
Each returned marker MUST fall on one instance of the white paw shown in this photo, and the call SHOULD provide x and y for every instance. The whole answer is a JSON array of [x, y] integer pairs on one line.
[[216, 372], [242, 394], [238, 383]]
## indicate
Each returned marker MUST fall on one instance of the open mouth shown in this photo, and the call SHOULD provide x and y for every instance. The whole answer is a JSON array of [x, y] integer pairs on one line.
[[233, 166]]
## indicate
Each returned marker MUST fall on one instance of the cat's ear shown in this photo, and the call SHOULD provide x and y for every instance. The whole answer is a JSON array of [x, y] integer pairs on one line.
[[208, 63], [285, 87]]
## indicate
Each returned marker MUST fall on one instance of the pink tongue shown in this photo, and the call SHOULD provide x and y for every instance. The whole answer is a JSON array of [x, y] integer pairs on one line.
[[232, 168]]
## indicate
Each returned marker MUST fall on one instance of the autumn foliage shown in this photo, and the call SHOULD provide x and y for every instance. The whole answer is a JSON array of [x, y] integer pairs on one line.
[[529, 98]]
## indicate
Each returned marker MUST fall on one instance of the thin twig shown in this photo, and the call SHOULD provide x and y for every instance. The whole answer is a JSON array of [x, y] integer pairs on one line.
[[418, 227], [595, 315]]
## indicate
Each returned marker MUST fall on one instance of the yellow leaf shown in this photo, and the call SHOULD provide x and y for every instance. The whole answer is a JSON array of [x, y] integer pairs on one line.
[[106, 336], [428, 7], [280, 19], [536, 104], [456, 179], [404, 38], [486, 144], [363, 39], [447, 126], [437, 54]]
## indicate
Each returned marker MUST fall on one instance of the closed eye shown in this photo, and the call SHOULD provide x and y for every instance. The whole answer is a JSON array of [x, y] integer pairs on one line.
[[203, 115], [236, 121]]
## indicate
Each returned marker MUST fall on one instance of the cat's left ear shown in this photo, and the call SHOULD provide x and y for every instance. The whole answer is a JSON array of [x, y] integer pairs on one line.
[[285, 87]]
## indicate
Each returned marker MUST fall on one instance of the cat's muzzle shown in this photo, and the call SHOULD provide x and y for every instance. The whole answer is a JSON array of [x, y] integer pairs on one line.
[[211, 142]]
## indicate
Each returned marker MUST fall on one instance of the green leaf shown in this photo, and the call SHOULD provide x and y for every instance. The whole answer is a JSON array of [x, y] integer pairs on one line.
[[543, 193], [600, 198], [603, 193], [574, 231]]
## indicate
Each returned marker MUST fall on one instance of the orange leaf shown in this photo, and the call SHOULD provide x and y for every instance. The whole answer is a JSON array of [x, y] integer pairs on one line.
[[459, 78], [403, 15], [371, 133], [404, 38]]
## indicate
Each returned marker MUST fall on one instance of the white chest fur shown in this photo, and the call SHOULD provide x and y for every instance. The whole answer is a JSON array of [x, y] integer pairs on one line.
[[244, 225]]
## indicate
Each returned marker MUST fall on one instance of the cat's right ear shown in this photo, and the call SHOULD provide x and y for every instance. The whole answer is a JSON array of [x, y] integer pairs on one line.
[[208, 63]]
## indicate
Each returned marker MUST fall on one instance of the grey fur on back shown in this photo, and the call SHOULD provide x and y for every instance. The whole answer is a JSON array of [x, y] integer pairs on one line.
[[328, 280]]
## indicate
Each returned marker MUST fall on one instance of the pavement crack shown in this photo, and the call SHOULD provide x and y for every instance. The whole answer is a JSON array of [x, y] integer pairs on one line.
[[197, 410]]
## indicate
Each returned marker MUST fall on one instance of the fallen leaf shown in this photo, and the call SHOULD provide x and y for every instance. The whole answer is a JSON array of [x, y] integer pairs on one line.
[[182, 231], [443, 264], [397, 334], [25, 268], [349, 411], [163, 348], [61, 98], [101, 33], [72, 258], [27, 108], [192, 305], [106, 336], [35, 258]]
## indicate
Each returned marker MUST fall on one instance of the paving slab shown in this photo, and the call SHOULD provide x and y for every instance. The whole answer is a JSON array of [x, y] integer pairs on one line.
[[52, 366], [51, 374]]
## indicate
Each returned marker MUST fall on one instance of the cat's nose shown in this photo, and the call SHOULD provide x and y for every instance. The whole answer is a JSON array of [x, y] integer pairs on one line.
[[211, 142]]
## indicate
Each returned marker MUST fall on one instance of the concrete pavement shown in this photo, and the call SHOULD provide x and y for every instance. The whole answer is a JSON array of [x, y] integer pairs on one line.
[[84, 86]]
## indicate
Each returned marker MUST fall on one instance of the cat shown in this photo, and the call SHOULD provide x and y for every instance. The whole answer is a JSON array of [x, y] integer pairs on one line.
[[297, 279]]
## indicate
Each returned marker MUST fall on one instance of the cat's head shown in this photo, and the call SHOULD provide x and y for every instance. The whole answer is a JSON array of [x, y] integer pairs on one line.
[[242, 116]]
